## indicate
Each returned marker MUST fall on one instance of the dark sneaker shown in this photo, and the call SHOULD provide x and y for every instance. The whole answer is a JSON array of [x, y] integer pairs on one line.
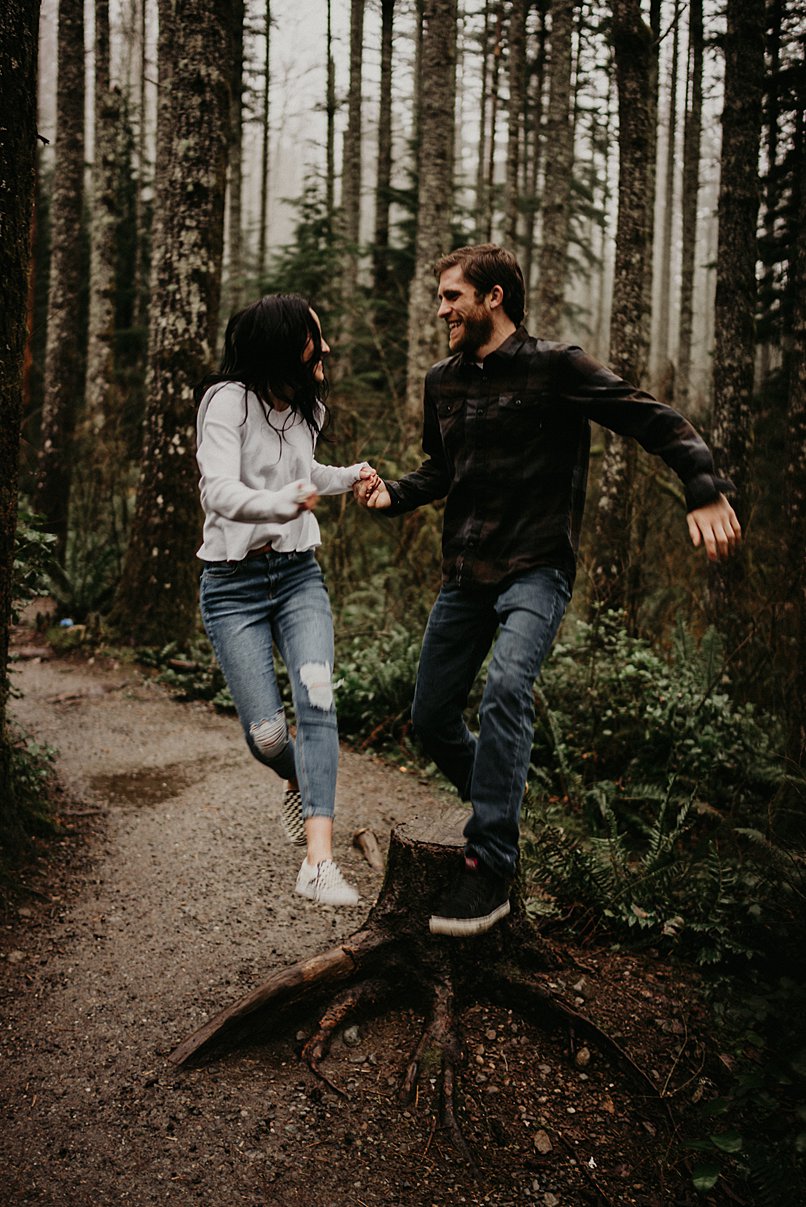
[[474, 903], [293, 824]]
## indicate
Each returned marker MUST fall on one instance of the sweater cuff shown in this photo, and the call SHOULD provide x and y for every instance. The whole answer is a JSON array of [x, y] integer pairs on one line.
[[706, 488]]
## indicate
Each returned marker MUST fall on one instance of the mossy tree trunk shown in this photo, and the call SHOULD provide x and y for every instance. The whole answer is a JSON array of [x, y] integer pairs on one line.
[[156, 598], [19, 23]]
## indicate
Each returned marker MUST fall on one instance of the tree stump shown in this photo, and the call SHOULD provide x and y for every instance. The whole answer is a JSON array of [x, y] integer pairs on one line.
[[394, 960]]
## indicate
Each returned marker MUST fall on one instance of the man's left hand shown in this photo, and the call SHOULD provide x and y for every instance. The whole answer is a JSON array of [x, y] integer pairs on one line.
[[716, 527]]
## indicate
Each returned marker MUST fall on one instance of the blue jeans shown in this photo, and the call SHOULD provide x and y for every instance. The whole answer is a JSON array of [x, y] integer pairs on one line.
[[248, 607], [489, 769]]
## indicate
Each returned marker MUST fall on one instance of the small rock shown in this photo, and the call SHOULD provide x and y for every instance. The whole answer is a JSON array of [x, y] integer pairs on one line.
[[352, 1037], [542, 1142], [15, 957], [551, 1200], [491, 1034], [582, 1058]]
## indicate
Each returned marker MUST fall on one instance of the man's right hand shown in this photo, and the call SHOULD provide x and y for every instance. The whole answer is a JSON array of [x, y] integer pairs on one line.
[[372, 493]]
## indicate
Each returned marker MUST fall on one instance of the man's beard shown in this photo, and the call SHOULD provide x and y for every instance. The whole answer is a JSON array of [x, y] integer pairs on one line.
[[478, 330]]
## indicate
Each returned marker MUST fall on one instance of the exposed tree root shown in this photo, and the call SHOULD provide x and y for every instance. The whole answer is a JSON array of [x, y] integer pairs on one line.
[[394, 951]]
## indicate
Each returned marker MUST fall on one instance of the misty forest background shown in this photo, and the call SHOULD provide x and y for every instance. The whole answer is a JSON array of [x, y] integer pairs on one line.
[[646, 163]]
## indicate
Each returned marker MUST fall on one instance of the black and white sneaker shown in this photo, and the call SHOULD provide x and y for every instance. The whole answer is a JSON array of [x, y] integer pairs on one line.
[[473, 904], [291, 816]]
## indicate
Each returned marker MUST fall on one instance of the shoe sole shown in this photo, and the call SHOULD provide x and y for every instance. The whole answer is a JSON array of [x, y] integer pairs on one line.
[[323, 901], [461, 927]]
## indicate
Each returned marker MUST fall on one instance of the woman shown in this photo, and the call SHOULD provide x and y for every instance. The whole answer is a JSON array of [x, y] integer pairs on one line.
[[257, 427]]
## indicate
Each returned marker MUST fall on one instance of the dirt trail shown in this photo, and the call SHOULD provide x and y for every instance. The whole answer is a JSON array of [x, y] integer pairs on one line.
[[181, 901], [187, 904]]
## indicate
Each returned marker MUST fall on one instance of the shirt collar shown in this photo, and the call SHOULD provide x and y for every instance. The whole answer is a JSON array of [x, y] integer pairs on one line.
[[506, 351]]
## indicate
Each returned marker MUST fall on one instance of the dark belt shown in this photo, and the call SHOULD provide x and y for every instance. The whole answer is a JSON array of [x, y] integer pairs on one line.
[[263, 549]]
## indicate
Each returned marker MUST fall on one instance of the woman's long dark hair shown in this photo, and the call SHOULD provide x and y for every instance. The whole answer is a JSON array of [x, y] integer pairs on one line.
[[263, 349]]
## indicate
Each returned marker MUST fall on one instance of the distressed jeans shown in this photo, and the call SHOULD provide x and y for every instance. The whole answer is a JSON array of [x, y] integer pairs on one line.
[[250, 606], [488, 769]]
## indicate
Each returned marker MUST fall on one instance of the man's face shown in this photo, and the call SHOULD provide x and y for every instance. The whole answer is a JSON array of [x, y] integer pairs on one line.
[[470, 323]]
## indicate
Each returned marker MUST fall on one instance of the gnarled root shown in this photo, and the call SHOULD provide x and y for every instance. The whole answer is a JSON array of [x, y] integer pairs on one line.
[[365, 995]]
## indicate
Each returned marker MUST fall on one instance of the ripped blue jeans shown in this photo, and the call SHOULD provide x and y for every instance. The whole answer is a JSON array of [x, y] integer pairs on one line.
[[248, 607]]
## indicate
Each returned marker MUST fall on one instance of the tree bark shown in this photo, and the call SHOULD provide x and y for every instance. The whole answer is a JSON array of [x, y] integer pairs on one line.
[[235, 264], [19, 21], [534, 147], [156, 598], [64, 359], [383, 179], [613, 581], [517, 101], [351, 187], [434, 193], [263, 225], [691, 189], [552, 269], [662, 341], [330, 109]]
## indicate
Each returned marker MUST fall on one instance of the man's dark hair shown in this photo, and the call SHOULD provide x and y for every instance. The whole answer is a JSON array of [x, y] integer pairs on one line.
[[485, 265]]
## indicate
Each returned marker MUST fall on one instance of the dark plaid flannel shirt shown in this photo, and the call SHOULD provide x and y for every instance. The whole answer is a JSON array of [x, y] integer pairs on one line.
[[507, 446]]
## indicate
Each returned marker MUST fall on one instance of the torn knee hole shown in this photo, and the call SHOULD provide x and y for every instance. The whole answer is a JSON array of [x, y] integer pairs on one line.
[[270, 737], [316, 678]]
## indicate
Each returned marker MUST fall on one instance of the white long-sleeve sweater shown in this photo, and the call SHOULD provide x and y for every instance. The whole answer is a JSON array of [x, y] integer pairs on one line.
[[251, 471]]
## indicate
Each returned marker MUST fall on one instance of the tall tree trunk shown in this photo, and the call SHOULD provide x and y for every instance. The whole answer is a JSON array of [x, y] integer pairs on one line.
[[517, 100], [64, 360], [100, 382], [534, 145], [772, 117], [489, 190], [330, 109], [383, 177], [691, 189], [140, 318], [662, 342], [351, 186], [481, 160], [796, 468], [235, 265], [615, 557], [156, 599], [263, 225], [434, 191], [552, 269], [19, 22], [737, 250]]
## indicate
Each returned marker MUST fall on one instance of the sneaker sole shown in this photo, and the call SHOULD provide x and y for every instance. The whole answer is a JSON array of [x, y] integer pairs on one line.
[[460, 927], [323, 900]]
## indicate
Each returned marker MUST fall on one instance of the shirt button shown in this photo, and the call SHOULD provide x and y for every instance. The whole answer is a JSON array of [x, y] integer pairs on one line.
[[481, 410], [518, 402]]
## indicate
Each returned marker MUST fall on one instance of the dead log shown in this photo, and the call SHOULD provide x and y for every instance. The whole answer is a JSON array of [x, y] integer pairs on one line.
[[367, 844], [394, 958]]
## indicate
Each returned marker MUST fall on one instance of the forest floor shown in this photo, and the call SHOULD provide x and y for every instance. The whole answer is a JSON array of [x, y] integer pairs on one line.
[[169, 893]]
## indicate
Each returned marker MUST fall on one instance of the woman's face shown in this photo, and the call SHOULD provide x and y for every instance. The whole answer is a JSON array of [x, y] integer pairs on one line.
[[309, 352]]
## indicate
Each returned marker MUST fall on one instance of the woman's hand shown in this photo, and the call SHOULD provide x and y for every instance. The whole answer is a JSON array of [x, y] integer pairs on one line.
[[370, 490]]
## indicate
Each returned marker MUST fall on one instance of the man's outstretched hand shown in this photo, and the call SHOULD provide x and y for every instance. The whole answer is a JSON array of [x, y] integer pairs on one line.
[[370, 491], [716, 527]]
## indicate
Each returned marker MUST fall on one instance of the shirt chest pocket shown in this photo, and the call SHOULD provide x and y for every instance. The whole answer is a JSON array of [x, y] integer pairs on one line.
[[524, 412]]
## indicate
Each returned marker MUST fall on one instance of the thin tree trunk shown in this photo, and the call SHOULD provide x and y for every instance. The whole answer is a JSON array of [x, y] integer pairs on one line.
[[552, 271], [629, 331], [481, 161], [156, 599], [330, 108], [489, 191], [535, 141], [235, 266], [517, 93], [767, 285], [691, 190], [141, 268], [663, 340], [796, 466], [64, 360], [435, 190], [351, 186], [735, 304], [264, 143], [99, 393], [19, 21], [384, 171]]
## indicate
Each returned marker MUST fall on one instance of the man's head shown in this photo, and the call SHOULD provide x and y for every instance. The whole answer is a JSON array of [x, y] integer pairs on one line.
[[481, 295]]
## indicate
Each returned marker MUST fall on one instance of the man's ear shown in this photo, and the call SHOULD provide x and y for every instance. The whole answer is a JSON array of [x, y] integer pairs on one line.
[[496, 297]]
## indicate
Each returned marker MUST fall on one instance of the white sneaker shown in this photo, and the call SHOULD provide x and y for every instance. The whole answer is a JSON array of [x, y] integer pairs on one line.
[[324, 883]]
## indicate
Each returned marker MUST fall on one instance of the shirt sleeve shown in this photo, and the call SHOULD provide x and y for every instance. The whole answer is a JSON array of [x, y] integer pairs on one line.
[[219, 459], [433, 479], [335, 479], [607, 399]]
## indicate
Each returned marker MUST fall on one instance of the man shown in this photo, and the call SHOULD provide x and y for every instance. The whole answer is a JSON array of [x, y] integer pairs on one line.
[[506, 439]]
